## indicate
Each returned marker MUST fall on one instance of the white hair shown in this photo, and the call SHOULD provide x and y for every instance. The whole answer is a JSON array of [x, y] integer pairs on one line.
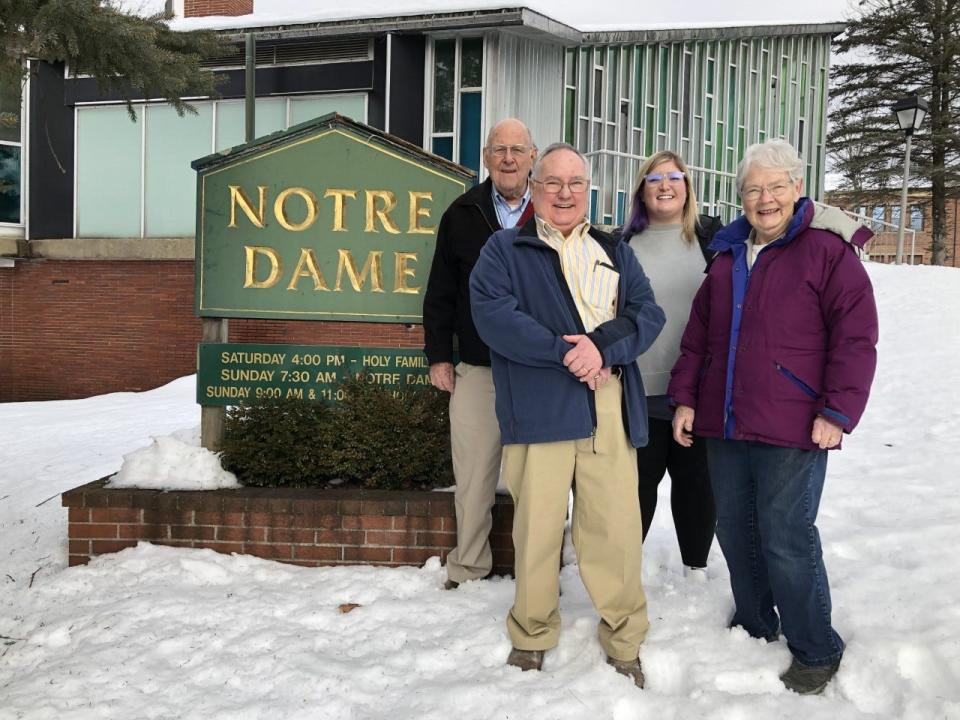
[[561, 146], [503, 123], [774, 155]]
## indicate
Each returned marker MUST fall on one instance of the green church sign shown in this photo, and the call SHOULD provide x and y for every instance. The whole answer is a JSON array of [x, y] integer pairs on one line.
[[330, 220]]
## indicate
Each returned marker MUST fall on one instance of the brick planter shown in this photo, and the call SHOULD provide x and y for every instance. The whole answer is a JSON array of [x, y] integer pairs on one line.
[[299, 526]]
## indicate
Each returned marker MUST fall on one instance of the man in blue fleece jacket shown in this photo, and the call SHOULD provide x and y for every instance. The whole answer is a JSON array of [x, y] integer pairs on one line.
[[566, 311]]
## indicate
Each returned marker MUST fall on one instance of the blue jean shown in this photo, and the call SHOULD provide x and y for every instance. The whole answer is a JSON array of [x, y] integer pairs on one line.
[[767, 500]]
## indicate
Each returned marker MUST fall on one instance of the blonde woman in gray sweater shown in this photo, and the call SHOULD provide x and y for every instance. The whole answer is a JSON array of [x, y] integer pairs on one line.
[[670, 239]]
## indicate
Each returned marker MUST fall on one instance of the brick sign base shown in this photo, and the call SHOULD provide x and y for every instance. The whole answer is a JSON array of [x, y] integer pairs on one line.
[[299, 526]]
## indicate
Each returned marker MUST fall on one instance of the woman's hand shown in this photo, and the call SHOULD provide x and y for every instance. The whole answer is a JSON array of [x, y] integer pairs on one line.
[[683, 425], [825, 433]]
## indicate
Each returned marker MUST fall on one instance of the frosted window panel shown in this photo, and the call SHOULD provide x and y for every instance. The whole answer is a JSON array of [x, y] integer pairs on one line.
[[108, 172], [173, 142], [271, 115], [303, 109]]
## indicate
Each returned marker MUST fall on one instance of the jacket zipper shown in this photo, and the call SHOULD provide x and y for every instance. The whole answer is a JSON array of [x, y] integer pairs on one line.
[[796, 381]]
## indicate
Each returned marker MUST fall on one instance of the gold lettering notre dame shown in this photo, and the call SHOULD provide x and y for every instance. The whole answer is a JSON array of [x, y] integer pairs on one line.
[[307, 267], [239, 198], [280, 209], [389, 203], [371, 267], [250, 272]]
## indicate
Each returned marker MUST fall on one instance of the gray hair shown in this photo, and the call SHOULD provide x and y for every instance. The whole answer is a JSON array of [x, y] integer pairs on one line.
[[561, 146], [774, 155]]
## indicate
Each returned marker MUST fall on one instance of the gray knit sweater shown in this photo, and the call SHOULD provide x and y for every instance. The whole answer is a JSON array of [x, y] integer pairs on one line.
[[675, 269]]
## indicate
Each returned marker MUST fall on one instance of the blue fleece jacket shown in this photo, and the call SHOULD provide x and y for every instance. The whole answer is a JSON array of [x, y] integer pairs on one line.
[[522, 307]]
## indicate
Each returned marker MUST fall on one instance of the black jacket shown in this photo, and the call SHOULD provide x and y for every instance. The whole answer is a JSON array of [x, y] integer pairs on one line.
[[464, 228], [706, 228]]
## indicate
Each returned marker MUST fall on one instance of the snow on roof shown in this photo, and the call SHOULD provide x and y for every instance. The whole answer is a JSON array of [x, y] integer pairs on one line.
[[596, 16]]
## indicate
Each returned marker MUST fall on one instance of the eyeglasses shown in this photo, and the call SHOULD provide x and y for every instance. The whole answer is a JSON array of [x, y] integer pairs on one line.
[[777, 190], [671, 177], [502, 150], [552, 186]]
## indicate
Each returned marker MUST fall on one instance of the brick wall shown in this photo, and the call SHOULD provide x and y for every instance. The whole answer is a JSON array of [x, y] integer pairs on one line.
[[75, 328], [198, 8], [883, 246], [302, 527]]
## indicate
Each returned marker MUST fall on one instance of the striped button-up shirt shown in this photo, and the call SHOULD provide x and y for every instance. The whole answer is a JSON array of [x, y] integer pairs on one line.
[[590, 275]]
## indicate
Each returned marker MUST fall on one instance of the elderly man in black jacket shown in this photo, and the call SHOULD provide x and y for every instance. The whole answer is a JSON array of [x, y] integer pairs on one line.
[[501, 201]]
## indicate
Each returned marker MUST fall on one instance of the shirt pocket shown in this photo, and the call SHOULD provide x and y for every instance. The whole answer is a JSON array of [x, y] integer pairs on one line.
[[600, 291]]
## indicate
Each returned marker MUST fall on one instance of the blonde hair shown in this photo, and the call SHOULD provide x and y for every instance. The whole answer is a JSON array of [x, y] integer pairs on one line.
[[639, 220]]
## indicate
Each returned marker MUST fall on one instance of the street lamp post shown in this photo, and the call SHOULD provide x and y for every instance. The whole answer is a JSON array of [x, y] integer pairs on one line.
[[910, 112]]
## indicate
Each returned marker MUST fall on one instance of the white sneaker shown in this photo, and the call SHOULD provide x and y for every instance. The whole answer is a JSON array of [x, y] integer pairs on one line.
[[696, 574]]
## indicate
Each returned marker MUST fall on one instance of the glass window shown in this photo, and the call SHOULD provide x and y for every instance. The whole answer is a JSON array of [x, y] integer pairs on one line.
[[597, 93], [170, 200], [137, 175], [638, 89], [613, 85], [456, 123], [9, 183], [304, 109], [10, 111], [662, 94], [916, 218], [585, 82], [570, 67], [443, 146], [271, 115], [569, 115], [10, 160], [471, 63], [470, 130], [895, 215], [108, 173], [444, 60], [878, 214]]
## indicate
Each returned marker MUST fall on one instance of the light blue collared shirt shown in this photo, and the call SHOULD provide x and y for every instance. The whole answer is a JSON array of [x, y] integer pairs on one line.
[[506, 215]]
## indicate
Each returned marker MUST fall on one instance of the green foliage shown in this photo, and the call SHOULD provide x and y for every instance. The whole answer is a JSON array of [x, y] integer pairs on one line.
[[278, 444], [392, 441], [894, 48], [373, 437], [127, 54]]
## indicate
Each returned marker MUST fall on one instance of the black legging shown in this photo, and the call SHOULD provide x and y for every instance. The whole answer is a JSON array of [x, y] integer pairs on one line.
[[691, 499]]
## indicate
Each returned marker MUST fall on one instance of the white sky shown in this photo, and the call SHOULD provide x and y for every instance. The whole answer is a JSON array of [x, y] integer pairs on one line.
[[581, 14], [166, 633]]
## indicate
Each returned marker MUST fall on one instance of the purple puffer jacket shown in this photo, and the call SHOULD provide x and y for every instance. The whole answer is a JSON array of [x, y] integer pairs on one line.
[[767, 350]]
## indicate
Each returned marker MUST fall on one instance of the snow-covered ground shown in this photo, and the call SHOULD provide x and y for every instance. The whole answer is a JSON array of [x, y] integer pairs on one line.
[[156, 632]]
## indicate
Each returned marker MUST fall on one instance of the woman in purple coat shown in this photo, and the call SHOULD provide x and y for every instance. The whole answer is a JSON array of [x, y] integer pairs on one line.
[[776, 364]]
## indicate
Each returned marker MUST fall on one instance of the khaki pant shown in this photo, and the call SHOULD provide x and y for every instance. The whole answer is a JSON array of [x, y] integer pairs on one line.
[[475, 441], [607, 532]]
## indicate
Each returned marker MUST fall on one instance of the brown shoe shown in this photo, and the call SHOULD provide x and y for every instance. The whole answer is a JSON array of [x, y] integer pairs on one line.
[[451, 585], [629, 668], [526, 659]]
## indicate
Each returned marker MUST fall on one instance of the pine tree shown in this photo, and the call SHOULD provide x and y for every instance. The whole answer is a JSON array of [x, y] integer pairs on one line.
[[899, 47], [131, 55]]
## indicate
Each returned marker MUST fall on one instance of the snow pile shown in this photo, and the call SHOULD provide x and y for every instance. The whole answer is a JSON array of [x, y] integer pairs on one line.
[[174, 462]]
